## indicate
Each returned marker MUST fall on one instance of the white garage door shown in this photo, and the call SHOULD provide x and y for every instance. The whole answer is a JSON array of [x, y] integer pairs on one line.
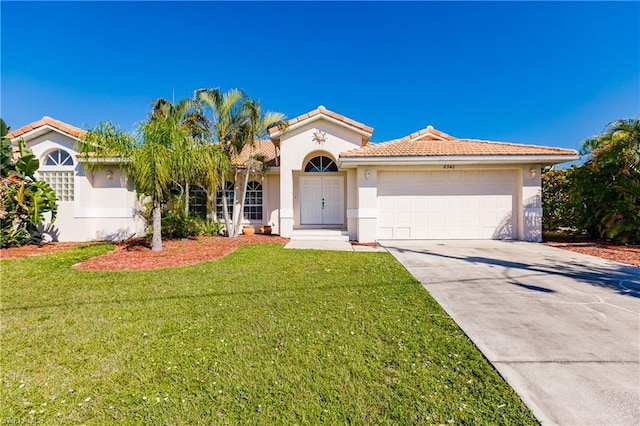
[[447, 204]]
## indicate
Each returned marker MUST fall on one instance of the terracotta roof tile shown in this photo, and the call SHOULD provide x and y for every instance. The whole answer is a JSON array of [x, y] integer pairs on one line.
[[322, 110], [57, 124], [431, 142], [265, 148]]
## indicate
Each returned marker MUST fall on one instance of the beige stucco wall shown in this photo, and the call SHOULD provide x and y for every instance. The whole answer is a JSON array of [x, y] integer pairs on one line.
[[102, 209], [297, 147]]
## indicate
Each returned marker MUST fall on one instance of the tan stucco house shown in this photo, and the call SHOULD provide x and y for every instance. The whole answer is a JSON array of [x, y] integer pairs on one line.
[[328, 180]]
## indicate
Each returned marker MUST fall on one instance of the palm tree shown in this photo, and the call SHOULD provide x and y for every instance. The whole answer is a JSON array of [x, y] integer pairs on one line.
[[227, 126], [257, 128], [238, 122], [162, 154], [607, 186]]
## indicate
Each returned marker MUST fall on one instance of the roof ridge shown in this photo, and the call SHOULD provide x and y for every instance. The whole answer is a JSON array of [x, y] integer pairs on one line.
[[429, 130], [321, 109], [514, 144], [48, 121]]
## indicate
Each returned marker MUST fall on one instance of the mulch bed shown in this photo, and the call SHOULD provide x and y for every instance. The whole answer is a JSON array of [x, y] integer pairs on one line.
[[628, 254], [137, 255]]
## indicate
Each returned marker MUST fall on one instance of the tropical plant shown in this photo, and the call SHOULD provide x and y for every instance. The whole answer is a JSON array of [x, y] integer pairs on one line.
[[166, 152], [559, 210], [606, 189], [237, 122], [24, 199]]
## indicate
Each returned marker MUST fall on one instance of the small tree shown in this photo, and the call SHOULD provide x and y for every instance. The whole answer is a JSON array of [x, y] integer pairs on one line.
[[24, 200], [163, 155]]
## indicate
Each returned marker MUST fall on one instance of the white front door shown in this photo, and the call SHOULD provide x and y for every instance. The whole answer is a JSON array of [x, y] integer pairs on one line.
[[321, 200]]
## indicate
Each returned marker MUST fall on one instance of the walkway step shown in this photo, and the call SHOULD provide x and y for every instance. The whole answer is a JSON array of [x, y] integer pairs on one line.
[[319, 235]]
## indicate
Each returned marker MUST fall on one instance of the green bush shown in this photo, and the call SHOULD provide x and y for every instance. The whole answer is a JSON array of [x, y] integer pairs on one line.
[[24, 200], [559, 210]]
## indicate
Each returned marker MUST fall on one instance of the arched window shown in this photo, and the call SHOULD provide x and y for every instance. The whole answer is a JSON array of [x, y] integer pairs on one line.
[[253, 201], [58, 158], [321, 164], [57, 171], [228, 192]]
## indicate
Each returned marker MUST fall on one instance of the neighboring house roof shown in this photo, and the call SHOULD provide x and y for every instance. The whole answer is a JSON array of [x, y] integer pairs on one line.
[[45, 124], [430, 142], [317, 113]]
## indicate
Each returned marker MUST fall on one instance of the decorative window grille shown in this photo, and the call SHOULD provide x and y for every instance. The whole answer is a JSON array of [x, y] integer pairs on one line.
[[321, 164]]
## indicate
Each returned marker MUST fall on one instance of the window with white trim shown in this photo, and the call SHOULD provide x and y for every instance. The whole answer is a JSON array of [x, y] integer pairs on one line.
[[253, 201], [229, 193], [57, 171], [197, 202]]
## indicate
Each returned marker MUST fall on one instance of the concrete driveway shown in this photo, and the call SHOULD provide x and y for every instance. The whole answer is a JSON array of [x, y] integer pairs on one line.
[[562, 328]]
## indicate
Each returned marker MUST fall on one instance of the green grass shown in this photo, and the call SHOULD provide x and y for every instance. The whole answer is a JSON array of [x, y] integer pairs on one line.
[[262, 336]]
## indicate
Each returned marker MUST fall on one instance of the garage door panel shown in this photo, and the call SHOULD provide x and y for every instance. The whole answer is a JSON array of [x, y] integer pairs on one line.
[[446, 205]]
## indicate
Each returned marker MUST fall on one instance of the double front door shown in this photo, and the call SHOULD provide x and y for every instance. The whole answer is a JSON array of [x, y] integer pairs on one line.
[[321, 200]]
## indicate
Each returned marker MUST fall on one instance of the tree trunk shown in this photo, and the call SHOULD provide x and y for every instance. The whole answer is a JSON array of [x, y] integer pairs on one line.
[[225, 213], [156, 241], [186, 200], [243, 194]]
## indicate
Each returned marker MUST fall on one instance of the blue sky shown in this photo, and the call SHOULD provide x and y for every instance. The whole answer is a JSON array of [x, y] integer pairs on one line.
[[543, 73]]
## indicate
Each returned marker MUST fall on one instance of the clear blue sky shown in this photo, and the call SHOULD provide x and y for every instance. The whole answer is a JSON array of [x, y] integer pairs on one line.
[[543, 73]]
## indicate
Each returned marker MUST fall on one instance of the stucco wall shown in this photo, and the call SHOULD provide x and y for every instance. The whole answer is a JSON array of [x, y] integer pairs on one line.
[[102, 208], [297, 146]]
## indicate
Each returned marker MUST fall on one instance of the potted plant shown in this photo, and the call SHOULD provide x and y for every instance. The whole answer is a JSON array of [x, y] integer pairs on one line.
[[265, 229], [248, 230]]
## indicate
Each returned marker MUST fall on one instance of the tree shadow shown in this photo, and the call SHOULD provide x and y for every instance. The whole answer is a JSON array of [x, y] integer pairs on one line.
[[624, 279]]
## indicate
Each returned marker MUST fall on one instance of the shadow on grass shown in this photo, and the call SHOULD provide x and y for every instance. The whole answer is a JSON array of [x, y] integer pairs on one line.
[[625, 280], [305, 289]]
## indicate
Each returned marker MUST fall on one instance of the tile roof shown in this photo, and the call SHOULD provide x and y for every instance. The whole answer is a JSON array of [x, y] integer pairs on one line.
[[52, 122], [265, 148], [432, 142], [322, 110]]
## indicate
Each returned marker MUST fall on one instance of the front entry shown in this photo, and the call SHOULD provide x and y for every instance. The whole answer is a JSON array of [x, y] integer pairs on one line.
[[321, 200]]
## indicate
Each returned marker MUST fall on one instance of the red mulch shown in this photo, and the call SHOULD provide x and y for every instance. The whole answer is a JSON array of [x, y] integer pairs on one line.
[[618, 252], [137, 254]]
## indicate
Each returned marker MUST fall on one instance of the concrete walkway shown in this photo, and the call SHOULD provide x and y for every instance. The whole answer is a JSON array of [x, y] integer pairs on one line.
[[330, 245], [562, 328]]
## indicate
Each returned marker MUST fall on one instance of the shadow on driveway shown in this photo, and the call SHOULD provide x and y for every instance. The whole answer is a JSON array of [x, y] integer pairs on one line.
[[625, 280]]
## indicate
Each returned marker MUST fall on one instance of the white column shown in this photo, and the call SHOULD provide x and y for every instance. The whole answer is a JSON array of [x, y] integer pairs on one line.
[[286, 203], [531, 206], [367, 204]]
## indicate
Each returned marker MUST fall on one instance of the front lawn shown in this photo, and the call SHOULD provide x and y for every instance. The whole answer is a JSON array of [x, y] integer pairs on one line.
[[262, 336]]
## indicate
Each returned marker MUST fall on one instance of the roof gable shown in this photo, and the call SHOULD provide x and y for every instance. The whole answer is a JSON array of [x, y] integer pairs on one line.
[[322, 112], [46, 124]]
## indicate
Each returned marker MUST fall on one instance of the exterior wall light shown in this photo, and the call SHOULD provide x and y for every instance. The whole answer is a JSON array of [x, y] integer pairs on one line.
[[533, 172], [367, 174], [110, 174]]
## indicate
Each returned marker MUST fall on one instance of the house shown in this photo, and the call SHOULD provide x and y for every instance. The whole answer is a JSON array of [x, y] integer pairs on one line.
[[325, 174], [99, 205]]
